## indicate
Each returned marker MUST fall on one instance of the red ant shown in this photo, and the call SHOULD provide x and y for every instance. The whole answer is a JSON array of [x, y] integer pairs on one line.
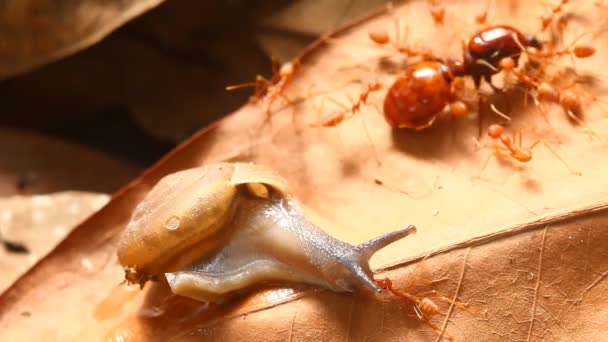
[[423, 308], [482, 17], [356, 107], [546, 20], [423, 91], [437, 11], [489, 46], [431, 86], [511, 147], [382, 38], [273, 88], [428, 87], [567, 99], [379, 37]]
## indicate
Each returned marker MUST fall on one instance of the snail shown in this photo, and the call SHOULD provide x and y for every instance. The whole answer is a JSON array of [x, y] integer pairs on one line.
[[222, 228]]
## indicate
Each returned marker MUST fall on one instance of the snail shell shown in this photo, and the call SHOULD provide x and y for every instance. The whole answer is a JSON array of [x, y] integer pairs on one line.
[[225, 227]]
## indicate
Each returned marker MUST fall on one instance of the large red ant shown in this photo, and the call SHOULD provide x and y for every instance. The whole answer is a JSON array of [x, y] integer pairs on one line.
[[430, 86], [425, 89], [421, 94]]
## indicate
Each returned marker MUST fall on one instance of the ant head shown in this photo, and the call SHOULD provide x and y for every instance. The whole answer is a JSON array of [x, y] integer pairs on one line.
[[534, 42], [495, 131], [456, 68]]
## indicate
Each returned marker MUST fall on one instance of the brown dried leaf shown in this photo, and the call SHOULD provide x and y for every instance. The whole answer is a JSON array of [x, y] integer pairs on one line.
[[35, 32], [36, 164], [519, 254], [291, 28], [317, 17], [38, 223]]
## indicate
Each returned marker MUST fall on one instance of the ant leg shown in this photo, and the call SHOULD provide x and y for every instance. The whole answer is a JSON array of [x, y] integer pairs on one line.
[[334, 119], [499, 113], [348, 112], [371, 142], [519, 141], [483, 167], [480, 112], [381, 182], [499, 152], [552, 150], [272, 97], [572, 116]]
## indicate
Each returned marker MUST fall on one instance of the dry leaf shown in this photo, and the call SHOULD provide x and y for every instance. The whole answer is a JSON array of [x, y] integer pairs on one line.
[[518, 254], [38, 223], [35, 164], [317, 17], [35, 32], [290, 29]]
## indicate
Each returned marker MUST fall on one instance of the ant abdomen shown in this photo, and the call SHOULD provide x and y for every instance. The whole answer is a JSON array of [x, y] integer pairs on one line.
[[422, 93], [418, 96]]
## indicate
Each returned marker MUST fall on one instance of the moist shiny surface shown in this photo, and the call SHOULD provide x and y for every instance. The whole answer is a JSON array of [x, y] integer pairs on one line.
[[417, 97], [271, 241]]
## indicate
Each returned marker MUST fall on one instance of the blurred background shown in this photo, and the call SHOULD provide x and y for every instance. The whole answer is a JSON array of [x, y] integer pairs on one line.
[[95, 91]]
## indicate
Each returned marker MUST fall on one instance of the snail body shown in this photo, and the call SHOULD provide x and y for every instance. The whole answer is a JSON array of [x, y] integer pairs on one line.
[[222, 228]]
